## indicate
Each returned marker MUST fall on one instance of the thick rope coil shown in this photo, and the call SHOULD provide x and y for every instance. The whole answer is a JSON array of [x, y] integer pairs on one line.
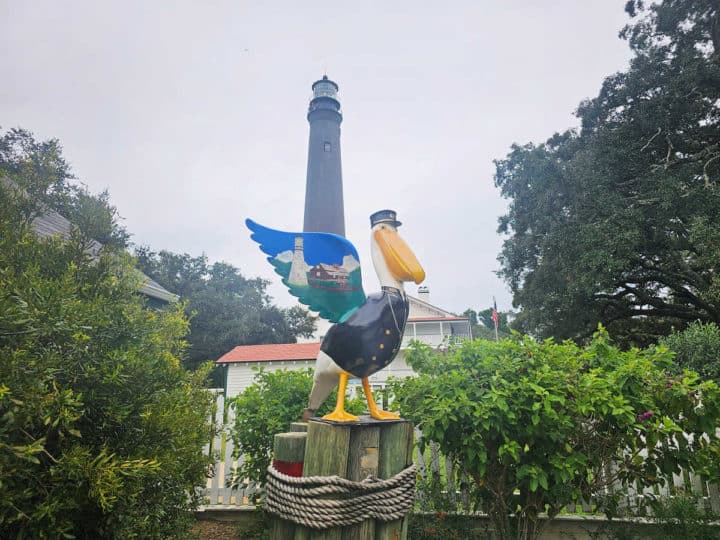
[[321, 502]]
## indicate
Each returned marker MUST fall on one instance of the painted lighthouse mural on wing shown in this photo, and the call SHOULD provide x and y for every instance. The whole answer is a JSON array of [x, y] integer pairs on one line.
[[337, 277], [328, 280]]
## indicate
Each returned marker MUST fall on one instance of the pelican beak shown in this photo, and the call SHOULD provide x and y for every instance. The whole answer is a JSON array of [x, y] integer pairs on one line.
[[401, 261]]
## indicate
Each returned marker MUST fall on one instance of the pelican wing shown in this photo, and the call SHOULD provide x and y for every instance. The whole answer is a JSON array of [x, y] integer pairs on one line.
[[321, 269]]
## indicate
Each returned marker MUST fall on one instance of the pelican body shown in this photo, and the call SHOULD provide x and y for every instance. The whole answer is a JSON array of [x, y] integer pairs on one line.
[[368, 331]]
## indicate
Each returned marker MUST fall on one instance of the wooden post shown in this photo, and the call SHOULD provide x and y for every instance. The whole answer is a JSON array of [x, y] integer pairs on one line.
[[363, 460], [396, 443], [354, 451], [289, 455]]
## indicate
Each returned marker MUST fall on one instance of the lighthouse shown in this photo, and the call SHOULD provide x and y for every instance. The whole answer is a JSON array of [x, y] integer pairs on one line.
[[298, 268], [324, 206]]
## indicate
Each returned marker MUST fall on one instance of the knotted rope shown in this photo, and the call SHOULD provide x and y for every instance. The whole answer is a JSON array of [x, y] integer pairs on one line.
[[321, 502]]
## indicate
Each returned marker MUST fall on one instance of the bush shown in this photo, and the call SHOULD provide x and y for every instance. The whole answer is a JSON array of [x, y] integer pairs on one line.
[[268, 406], [444, 526], [101, 429], [671, 517], [697, 348], [532, 423]]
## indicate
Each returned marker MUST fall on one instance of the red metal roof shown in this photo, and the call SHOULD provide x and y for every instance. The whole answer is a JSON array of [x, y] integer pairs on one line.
[[271, 353]]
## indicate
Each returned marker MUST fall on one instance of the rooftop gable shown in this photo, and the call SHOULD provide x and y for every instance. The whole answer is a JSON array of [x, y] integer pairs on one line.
[[419, 309], [50, 223]]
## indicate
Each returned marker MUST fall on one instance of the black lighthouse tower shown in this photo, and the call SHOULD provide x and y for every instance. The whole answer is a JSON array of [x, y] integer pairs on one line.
[[324, 207]]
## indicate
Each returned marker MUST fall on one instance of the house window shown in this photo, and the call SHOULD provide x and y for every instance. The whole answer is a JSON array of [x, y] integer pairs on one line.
[[328, 146]]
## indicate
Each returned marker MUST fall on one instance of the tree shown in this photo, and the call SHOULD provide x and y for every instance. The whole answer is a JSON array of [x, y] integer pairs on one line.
[[226, 308], [482, 325], [697, 348], [534, 423], [40, 170], [472, 315], [485, 318], [617, 222], [101, 428]]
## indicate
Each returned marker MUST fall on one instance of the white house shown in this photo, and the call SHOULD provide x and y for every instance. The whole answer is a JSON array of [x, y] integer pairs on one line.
[[426, 323]]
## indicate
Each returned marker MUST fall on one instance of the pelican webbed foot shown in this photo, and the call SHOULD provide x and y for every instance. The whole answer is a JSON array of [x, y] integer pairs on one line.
[[377, 414]]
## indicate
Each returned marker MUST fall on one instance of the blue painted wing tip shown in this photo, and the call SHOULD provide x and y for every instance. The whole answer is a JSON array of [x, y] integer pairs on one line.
[[250, 224]]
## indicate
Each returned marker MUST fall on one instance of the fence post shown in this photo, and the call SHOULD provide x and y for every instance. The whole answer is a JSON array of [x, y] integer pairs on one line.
[[714, 496], [289, 454]]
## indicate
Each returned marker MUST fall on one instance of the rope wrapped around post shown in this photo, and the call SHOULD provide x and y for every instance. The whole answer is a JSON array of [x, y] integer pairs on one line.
[[322, 502]]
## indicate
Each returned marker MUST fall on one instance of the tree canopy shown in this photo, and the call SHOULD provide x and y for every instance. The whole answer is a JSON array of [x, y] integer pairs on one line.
[[617, 222], [226, 308], [39, 169]]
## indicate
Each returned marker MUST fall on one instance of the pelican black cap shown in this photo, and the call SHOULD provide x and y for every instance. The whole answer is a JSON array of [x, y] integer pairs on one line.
[[384, 216]]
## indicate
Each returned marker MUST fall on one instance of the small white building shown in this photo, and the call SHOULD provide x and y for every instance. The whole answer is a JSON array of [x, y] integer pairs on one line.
[[426, 323]]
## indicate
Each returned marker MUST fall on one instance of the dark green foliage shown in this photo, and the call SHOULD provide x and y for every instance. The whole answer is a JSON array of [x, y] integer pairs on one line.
[[682, 516], [617, 223], [485, 319], [269, 406], [101, 429], [482, 325], [226, 308], [697, 348], [40, 170], [532, 423], [472, 315], [257, 529], [679, 516], [444, 526]]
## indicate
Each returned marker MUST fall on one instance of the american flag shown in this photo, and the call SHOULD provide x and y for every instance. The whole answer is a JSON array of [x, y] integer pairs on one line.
[[495, 317]]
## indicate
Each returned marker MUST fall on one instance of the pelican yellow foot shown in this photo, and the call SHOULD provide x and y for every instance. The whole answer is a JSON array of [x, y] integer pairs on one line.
[[339, 414], [377, 414]]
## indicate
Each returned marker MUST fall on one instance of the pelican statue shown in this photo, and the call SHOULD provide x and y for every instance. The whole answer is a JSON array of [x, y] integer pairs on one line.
[[323, 271]]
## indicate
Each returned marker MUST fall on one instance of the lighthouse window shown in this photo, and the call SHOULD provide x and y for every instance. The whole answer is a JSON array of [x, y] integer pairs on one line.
[[328, 146]]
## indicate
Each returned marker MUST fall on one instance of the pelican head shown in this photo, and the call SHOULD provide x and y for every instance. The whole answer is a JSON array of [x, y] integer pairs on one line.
[[393, 259]]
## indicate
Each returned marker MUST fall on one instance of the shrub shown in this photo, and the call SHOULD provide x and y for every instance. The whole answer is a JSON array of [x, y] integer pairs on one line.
[[697, 348], [444, 526], [671, 517], [101, 429], [532, 423]]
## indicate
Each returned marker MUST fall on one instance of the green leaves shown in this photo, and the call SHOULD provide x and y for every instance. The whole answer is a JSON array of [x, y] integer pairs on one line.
[[225, 308], [697, 348], [611, 223], [543, 419], [101, 429]]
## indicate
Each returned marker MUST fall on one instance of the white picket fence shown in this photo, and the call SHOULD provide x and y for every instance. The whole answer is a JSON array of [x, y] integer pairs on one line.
[[217, 492], [430, 463]]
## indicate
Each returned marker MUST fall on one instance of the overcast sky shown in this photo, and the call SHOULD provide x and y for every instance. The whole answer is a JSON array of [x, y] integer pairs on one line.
[[192, 114]]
